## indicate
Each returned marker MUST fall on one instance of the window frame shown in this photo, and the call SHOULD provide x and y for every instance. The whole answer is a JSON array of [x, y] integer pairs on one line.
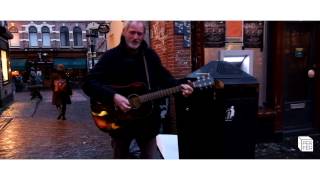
[[77, 37], [16, 37], [33, 33], [64, 32], [46, 36]]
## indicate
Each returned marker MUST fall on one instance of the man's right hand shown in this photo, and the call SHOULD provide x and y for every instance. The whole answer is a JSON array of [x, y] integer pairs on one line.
[[121, 102]]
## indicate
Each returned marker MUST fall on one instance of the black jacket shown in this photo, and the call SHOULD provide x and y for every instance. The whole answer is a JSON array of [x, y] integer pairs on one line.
[[119, 66]]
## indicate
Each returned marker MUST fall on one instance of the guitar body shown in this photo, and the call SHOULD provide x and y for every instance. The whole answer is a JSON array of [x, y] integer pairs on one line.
[[108, 117]]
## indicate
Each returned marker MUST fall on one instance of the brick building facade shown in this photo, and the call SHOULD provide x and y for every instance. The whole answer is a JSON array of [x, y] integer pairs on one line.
[[169, 46], [44, 44]]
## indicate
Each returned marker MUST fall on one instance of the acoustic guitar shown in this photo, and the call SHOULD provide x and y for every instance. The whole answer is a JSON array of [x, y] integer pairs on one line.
[[108, 117]]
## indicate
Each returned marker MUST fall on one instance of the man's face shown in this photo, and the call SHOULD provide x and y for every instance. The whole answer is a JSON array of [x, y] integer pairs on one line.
[[134, 35]]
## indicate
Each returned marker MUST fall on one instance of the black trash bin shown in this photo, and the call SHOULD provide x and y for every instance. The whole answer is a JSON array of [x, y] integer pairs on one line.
[[219, 122]]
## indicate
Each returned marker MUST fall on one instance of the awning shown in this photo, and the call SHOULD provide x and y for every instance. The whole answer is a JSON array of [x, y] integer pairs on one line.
[[71, 63], [18, 64]]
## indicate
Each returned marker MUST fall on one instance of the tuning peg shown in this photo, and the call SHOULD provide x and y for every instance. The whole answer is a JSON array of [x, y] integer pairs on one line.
[[218, 84]]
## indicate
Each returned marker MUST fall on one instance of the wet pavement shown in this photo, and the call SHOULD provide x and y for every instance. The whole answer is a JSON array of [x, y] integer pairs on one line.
[[287, 148], [42, 136]]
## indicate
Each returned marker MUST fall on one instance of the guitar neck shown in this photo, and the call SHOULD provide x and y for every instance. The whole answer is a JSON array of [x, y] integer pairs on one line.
[[159, 94]]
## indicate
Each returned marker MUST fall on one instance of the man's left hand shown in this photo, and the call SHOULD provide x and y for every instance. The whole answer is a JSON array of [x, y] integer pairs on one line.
[[186, 90]]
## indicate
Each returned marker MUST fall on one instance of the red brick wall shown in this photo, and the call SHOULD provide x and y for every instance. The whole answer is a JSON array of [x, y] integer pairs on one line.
[[169, 46], [174, 57]]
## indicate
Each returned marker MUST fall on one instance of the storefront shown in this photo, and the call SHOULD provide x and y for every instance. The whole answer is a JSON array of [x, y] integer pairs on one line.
[[6, 88], [76, 68], [18, 64]]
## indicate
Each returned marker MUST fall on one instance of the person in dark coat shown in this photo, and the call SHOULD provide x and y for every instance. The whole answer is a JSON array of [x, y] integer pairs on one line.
[[61, 91], [124, 65], [35, 84]]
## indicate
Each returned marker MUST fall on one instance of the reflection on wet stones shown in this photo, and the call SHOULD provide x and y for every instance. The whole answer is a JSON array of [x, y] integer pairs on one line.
[[44, 137]]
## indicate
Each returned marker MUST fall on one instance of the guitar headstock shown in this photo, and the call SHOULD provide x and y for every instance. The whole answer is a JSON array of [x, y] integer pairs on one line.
[[203, 82]]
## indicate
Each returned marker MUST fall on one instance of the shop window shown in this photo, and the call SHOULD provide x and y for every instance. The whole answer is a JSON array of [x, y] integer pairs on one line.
[[45, 36], [64, 36], [77, 36], [4, 66], [15, 41]]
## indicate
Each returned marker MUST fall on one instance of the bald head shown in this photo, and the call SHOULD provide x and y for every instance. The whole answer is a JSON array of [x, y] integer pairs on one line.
[[127, 24]]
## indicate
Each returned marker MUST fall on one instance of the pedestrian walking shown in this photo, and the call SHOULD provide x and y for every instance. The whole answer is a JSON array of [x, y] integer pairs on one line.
[[35, 84], [61, 91]]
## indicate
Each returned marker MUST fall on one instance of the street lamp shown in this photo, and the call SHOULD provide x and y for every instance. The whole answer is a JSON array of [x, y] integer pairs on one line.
[[42, 56], [93, 29], [41, 62], [104, 28], [92, 34], [37, 61]]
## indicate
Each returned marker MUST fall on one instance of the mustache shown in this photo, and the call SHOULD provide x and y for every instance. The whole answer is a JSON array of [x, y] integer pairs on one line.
[[136, 41]]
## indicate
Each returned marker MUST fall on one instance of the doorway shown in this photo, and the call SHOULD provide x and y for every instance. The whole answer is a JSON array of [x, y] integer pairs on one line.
[[294, 52], [299, 88]]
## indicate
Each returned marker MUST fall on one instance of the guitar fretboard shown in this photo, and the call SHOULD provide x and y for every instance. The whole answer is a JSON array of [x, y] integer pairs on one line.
[[159, 94], [166, 92]]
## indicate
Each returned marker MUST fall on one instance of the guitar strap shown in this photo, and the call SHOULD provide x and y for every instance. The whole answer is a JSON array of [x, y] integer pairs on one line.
[[147, 72]]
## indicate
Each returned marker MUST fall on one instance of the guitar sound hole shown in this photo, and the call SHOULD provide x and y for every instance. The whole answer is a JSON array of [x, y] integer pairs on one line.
[[134, 101]]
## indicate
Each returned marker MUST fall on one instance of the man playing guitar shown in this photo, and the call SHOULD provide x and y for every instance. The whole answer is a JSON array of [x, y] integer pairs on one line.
[[131, 64]]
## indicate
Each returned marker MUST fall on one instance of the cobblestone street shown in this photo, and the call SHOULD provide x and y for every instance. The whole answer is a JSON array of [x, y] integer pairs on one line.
[[42, 136]]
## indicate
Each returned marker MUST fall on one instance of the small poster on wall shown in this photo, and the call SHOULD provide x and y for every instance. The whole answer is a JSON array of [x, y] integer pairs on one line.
[[183, 28], [187, 34], [214, 33], [253, 34], [179, 27]]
